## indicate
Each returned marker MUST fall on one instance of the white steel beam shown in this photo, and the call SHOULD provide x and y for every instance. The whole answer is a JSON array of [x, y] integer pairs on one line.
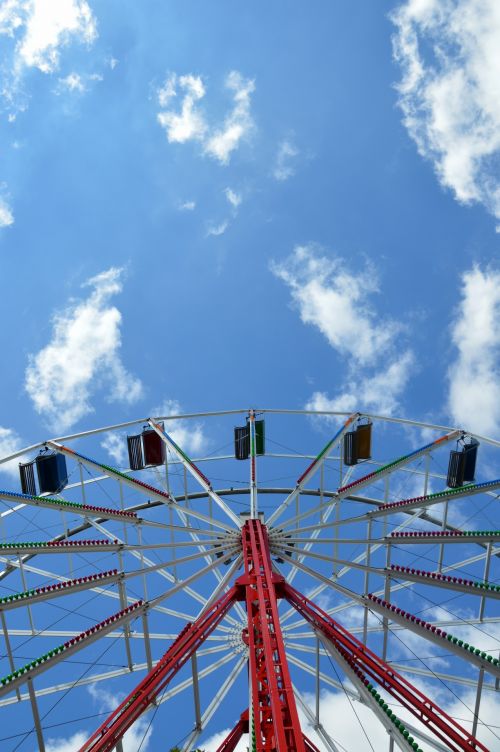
[[214, 704], [315, 465], [193, 470]]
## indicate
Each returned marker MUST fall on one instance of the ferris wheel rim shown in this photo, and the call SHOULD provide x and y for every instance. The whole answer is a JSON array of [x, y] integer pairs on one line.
[[241, 491], [326, 414]]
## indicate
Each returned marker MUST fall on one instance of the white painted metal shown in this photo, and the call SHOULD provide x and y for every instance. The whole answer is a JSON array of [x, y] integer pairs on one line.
[[299, 546]]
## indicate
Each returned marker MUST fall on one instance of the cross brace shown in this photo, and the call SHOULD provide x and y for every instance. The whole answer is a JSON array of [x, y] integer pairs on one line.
[[364, 661], [274, 724], [189, 640]]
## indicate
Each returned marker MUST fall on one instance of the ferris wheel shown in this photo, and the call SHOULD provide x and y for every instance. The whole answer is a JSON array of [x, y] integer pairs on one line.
[[246, 587]]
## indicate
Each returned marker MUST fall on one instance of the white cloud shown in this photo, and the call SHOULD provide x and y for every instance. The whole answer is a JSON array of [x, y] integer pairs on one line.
[[237, 124], [9, 443], [72, 82], [488, 714], [83, 355], [474, 377], [187, 206], [138, 735], [283, 167], [380, 392], [132, 739], [67, 745], [11, 16], [115, 446], [76, 83], [213, 743], [217, 230], [343, 725], [485, 636], [37, 33], [187, 434], [450, 59], [233, 197], [42, 29], [6, 215], [362, 731], [337, 302], [353, 726], [187, 122]]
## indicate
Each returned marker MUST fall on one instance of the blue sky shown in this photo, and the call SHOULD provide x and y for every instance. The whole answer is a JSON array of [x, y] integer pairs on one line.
[[213, 205], [100, 170]]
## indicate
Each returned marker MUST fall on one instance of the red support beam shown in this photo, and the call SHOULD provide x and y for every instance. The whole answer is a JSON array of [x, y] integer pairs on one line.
[[360, 658], [189, 640], [231, 741], [310, 747], [275, 717]]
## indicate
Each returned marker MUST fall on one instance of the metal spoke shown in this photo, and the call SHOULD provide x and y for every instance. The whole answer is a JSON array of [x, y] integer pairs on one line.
[[194, 471], [234, 572], [402, 667], [155, 568], [115, 673], [214, 704], [313, 468], [318, 727]]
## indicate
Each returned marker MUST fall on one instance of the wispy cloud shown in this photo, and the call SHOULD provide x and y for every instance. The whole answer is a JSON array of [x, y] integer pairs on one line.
[[233, 198], [217, 229], [474, 376], [189, 434], [238, 122], [212, 744], [355, 726], [6, 215], [187, 206], [42, 29], [115, 445], [448, 52], [9, 443], [76, 83], [338, 302], [82, 357], [284, 167], [187, 121], [37, 33], [67, 745], [72, 82], [138, 736], [379, 391]]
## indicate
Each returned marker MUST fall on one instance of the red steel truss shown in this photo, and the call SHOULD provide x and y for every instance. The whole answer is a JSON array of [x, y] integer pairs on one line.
[[231, 741], [364, 661], [275, 717], [242, 727], [275, 724], [310, 747], [189, 640]]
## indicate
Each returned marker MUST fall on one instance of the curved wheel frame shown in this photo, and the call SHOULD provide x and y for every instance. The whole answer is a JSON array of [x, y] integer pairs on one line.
[[378, 545]]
